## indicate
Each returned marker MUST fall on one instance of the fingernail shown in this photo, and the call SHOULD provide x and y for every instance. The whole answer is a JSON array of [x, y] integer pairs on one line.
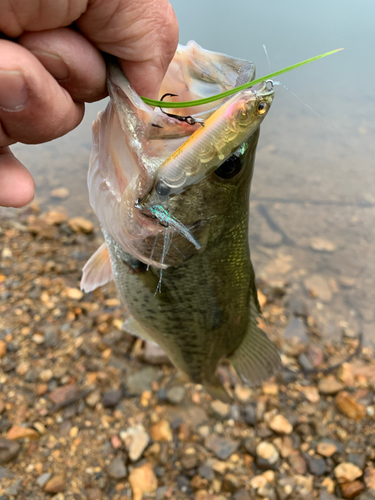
[[53, 64], [13, 90]]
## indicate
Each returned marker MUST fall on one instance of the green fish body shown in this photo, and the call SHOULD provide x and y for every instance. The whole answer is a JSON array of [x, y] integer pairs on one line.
[[198, 302]]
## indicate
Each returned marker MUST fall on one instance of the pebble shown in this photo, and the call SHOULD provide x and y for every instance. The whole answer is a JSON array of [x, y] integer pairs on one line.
[[315, 355], [329, 484], [6, 253], [296, 330], [325, 495], [370, 478], [8, 450], [347, 472], [136, 441], [367, 495], [259, 481], [358, 459], [38, 338], [54, 218], [329, 385], [80, 225], [17, 432], [280, 425], [243, 394], [206, 472], [349, 406], [141, 381], [154, 355], [74, 293], [43, 230], [346, 282], [189, 459], [270, 388], [232, 482], [93, 399], [241, 494], [142, 480], [305, 363], [161, 492], [63, 394], [60, 193], [93, 494], [249, 415], [267, 455], [56, 484], [3, 348], [43, 479], [220, 409], [284, 445], [326, 449], [318, 287], [222, 447], [45, 375], [117, 469], [297, 463], [316, 466], [175, 395], [322, 245], [351, 490], [161, 431], [14, 489], [111, 398]]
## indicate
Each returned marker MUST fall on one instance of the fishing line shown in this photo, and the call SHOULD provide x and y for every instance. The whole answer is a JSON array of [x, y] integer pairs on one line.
[[286, 88], [179, 251], [166, 245], [268, 59], [300, 100], [152, 251]]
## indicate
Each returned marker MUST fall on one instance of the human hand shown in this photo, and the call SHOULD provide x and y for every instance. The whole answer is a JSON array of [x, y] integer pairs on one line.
[[51, 69]]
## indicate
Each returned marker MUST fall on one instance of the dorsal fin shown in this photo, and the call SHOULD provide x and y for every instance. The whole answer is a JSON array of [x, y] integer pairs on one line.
[[97, 271]]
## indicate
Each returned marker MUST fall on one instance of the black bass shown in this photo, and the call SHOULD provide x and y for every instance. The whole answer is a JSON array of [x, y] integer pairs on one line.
[[172, 198]]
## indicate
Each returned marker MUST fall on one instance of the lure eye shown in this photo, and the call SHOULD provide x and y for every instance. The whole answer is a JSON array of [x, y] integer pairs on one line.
[[262, 108], [162, 189], [230, 168]]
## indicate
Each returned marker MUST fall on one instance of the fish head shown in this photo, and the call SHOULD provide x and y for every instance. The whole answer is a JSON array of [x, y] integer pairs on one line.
[[131, 140], [219, 198]]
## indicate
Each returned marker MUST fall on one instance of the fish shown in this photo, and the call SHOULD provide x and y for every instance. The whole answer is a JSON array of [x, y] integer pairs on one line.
[[172, 199]]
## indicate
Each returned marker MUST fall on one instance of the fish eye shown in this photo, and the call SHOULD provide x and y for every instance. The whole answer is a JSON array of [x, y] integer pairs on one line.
[[262, 107], [230, 168]]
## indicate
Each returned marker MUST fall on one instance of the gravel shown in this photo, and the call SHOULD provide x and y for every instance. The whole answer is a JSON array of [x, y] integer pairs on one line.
[[79, 396]]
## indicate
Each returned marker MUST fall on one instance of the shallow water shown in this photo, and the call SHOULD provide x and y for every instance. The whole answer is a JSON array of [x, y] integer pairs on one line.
[[314, 176]]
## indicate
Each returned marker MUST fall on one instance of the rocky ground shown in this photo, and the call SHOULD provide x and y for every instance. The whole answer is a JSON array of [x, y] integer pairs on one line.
[[85, 412]]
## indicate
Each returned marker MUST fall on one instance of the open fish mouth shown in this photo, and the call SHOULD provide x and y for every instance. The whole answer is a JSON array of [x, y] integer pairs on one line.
[[131, 140]]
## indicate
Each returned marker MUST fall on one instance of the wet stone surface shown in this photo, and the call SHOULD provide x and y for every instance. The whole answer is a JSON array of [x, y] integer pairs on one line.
[[88, 411]]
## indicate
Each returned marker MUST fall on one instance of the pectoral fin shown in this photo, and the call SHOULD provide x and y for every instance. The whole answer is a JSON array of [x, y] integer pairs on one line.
[[256, 358], [97, 271], [132, 326]]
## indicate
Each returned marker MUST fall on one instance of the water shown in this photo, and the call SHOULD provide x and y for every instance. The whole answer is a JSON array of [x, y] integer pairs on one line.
[[314, 178]]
